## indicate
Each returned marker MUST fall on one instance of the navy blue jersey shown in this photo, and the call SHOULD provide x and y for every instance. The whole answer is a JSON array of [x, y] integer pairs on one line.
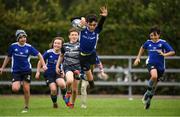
[[153, 56], [51, 59], [88, 40], [21, 56]]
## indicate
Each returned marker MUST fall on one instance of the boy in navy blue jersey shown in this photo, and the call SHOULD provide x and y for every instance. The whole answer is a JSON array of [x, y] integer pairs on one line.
[[88, 39], [157, 50], [20, 53], [53, 80]]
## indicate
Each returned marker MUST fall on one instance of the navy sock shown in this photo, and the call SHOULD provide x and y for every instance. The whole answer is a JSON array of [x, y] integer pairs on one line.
[[54, 98], [150, 85], [150, 88], [63, 92]]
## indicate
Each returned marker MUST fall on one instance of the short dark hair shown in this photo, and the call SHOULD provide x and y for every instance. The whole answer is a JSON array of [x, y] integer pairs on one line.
[[56, 38], [91, 17], [155, 29]]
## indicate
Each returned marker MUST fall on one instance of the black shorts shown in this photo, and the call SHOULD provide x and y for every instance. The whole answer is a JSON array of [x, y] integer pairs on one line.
[[22, 76], [73, 69], [87, 60], [51, 77], [152, 66]]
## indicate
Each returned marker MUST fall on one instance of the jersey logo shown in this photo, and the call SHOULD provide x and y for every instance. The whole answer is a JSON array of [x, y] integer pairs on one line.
[[160, 45], [16, 50], [154, 48], [26, 51]]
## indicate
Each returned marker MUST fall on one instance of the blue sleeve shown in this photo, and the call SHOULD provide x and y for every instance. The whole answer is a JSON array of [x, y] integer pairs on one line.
[[145, 45], [33, 51], [167, 47], [45, 55], [10, 51]]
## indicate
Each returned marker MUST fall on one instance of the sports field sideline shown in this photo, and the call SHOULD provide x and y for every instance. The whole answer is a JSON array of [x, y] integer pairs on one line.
[[98, 105]]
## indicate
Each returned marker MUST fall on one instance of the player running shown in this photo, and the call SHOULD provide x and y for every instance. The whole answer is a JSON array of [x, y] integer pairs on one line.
[[157, 49], [71, 65], [53, 80], [20, 53]]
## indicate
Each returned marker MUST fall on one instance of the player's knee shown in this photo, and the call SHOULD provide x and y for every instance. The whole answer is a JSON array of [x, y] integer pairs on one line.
[[154, 77], [68, 82], [62, 86], [53, 91], [15, 89]]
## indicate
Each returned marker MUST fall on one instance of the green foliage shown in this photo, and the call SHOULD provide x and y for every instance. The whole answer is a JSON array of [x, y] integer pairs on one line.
[[125, 29]]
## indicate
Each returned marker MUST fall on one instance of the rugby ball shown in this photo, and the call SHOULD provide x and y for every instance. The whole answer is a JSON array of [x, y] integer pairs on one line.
[[76, 24]]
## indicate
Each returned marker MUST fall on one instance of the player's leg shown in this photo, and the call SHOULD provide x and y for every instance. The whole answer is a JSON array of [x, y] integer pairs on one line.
[[16, 86], [90, 78], [62, 84], [86, 62], [26, 89], [69, 81], [16, 82], [53, 93], [74, 92], [84, 85], [150, 88]]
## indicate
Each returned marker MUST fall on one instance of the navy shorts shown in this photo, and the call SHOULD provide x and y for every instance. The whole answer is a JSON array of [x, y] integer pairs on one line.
[[22, 76], [152, 66], [87, 60], [51, 77]]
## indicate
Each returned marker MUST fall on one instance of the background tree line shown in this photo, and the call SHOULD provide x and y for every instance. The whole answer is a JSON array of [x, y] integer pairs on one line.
[[125, 29]]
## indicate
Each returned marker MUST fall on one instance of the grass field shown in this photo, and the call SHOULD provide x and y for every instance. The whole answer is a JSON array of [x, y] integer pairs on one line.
[[97, 106]]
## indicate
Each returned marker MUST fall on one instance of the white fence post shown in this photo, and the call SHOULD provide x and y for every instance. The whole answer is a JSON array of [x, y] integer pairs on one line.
[[130, 78]]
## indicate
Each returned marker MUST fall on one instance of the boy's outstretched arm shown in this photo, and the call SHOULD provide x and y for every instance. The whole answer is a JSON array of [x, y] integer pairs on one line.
[[103, 13], [137, 61]]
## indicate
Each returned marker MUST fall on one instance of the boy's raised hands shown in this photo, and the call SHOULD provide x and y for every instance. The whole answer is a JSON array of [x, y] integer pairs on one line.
[[103, 11]]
